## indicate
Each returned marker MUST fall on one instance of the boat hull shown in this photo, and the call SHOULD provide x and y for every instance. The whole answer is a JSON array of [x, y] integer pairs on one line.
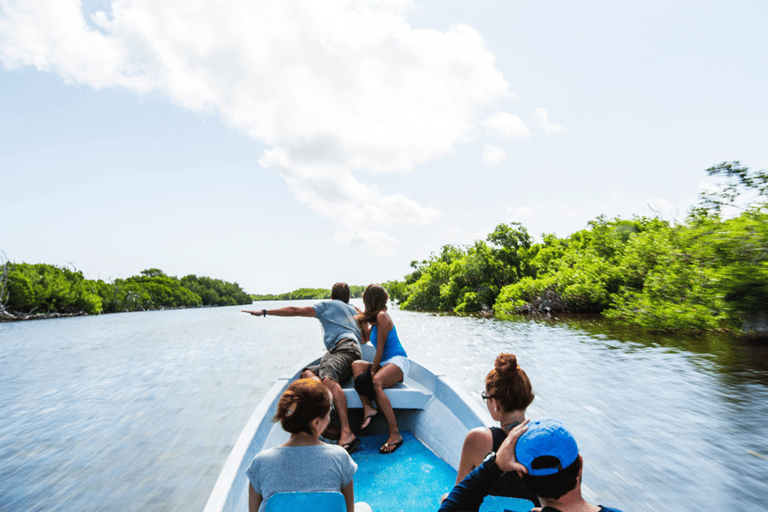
[[430, 406]]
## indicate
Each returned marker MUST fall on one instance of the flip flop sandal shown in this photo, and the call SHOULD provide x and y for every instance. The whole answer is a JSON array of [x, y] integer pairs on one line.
[[385, 448], [351, 446]]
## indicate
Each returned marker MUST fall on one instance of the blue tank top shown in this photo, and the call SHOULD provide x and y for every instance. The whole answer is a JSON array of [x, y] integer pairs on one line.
[[392, 348]]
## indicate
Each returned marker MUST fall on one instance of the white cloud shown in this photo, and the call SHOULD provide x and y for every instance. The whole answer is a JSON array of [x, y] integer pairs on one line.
[[522, 213], [332, 87], [542, 121], [505, 125], [493, 155]]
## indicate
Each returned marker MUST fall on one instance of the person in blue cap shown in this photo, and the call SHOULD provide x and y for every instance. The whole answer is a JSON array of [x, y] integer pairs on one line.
[[545, 455]]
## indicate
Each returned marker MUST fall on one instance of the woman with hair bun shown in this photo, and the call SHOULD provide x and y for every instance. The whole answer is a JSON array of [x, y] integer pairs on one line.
[[304, 411], [508, 393]]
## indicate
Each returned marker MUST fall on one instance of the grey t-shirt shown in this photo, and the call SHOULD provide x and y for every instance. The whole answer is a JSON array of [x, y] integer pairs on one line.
[[338, 319], [322, 467]]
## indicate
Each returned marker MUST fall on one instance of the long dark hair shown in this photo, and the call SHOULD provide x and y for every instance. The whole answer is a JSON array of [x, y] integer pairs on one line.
[[375, 300], [509, 384]]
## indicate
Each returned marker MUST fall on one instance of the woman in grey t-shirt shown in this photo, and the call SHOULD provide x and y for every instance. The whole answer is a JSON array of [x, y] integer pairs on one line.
[[304, 411]]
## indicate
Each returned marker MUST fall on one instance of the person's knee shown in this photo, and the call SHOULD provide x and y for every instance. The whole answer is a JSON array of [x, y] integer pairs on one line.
[[308, 374], [359, 366], [330, 383]]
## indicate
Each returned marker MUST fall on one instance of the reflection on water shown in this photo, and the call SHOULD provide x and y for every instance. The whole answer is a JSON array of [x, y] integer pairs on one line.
[[138, 411]]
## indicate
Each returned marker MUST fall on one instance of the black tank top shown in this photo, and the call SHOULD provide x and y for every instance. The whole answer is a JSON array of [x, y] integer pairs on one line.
[[509, 484]]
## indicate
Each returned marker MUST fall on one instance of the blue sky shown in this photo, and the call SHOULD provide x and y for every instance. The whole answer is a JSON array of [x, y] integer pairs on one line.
[[299, 143]]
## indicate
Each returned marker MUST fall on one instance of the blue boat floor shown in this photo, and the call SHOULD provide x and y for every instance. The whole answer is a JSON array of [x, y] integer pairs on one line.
[[411, 479]]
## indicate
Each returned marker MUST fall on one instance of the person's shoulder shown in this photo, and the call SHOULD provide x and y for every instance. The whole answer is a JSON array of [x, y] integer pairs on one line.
[[333, 451], [340, 306], [480, 431], [333, 448], [331, 303], [479, 439], [268, 453], [262, 457]]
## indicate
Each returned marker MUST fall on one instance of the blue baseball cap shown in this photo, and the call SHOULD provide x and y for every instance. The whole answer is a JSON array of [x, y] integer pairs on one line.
[[546, 448]]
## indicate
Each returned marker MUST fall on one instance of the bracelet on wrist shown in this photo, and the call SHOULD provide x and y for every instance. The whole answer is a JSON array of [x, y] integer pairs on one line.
[[264, 311]]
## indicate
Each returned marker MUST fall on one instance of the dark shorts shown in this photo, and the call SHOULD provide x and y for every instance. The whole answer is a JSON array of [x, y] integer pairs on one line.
[[336, 364]]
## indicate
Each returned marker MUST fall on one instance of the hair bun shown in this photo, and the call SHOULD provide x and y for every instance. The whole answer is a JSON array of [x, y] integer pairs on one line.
[[506, 364], [509, 384]]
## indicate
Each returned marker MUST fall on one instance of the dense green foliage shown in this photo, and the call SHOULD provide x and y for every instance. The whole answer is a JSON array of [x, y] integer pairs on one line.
[[707, 273], [467, 279], [44, 289], [41, 288], [215, 292], [152, 289]]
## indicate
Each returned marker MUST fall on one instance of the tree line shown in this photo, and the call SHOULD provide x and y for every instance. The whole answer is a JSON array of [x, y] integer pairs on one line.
[[39, 290], [707, 272], [355, 292]]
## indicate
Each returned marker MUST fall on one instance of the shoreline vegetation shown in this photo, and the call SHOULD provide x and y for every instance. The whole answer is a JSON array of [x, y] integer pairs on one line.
[[708, 272], [40, 291], [355, 292]]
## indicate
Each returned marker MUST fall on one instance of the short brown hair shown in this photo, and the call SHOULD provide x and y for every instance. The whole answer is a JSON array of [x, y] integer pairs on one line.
[[556, 485], [509, 384], [302, 402], [340, 291]]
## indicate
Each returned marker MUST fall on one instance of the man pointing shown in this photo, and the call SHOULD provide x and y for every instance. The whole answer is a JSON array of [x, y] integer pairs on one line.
[[342, 340]]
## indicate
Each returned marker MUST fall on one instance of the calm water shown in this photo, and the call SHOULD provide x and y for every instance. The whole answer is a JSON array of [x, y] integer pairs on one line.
[[138, 411]]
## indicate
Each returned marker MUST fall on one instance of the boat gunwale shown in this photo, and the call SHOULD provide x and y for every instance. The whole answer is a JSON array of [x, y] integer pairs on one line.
[[234, 465]]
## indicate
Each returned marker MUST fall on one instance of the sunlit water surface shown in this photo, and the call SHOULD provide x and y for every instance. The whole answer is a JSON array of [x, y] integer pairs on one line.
[[138, 411]]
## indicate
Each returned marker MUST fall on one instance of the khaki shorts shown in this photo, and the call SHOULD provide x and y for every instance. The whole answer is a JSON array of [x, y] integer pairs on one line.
[[336, 364]]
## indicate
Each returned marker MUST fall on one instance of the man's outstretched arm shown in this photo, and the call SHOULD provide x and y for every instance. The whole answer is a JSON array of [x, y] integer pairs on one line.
[[286, 311]]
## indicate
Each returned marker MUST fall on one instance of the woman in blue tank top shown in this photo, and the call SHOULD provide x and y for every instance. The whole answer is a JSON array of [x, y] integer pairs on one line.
[[390, 364]]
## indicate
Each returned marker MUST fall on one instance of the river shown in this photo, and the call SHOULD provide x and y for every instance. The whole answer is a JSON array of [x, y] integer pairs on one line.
[[138, 411]]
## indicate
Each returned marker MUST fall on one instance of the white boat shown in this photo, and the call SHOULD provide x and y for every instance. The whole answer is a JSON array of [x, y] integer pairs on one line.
[[433, 414]]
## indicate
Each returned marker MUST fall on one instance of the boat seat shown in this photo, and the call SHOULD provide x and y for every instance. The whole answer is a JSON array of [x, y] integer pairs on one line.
[[404, 395], [306, 502]]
